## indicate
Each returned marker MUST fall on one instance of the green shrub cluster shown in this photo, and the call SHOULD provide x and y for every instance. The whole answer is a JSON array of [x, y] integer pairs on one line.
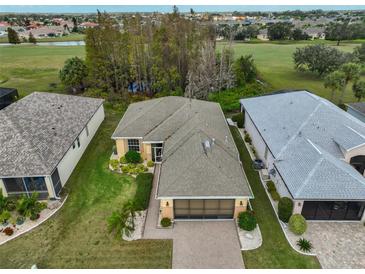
[[150, 163], [165, 222], [248, 138], [123, 160], [114, 164], [143, 192], [30, 206], [272, 190], [134, 168], [304, 245], [247, 220], [133, 157], [297, 224], [239, 119], [285, 209]]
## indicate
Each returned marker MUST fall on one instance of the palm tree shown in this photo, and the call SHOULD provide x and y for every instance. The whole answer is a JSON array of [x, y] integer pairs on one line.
[[335, 81], [122, 222]]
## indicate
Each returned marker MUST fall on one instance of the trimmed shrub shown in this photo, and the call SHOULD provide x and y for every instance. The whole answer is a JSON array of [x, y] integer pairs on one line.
[[270, 186], [8, 231], [11, 205], [304, 245], [4, 217], [114, 164], [247, 220], [123, 160], [133, 157], [150, 163], [275, 195], [239, 119], [248, 138], [143, 192], [297, 224], [285, 209], [34, 216], [166, 222]]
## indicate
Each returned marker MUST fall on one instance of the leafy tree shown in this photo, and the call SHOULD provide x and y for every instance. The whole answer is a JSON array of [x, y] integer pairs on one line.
[[335, 81], [359, 89], [320, 59], [75, 25], [299, 34], [31, 39], [245, 70], [280, 31], [122, 222], [225, 60], [360, 52], [13, 36], [338, 32], [74, 73], [352, 73]]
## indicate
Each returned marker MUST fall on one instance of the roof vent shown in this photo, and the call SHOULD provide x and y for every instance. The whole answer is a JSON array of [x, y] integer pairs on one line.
[[300, 134]]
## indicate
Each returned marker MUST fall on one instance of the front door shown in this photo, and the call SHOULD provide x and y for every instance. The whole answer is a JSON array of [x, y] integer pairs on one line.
[[157, 152]]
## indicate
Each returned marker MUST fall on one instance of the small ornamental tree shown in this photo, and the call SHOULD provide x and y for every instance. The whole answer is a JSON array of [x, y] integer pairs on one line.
[[247, 220], [285, 209], [74, 73], [13, 36], [31, 39], [133, 157], [297, 224]]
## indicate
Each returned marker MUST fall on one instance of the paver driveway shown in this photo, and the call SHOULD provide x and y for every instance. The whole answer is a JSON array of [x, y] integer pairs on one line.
[[196, 244], [338, 245]]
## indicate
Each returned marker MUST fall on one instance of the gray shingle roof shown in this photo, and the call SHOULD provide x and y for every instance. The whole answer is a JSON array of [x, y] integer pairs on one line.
[[36, 131], [307, 135], [188, 169]]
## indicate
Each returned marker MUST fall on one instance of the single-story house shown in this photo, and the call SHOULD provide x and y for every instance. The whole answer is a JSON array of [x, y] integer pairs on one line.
[[315, 33], [263, 35], [313, 150], [201, 176], [42, 137], [357, 110], [7, 96]]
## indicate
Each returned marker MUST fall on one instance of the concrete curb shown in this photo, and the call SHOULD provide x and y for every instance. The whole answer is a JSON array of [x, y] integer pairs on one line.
[[35, 225]]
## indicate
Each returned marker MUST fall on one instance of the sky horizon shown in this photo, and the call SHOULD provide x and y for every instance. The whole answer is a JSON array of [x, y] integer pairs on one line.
[[167, 8]]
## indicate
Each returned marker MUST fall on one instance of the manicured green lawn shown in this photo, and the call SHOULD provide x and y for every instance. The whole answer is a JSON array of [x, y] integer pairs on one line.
[[276, 67], [34, 68], [70, 37], [275, 251], [77, 237]]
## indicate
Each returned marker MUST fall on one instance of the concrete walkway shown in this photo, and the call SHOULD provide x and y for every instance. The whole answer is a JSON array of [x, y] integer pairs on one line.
[[196, 244]]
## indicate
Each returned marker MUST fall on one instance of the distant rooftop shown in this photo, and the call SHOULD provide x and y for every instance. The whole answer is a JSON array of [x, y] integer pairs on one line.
[[36, 131], [359, 106]]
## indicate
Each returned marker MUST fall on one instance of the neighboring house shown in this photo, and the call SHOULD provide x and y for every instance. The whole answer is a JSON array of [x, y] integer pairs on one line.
[[201, 175], [263, 35], [315, 33], [42, 137], [7, 96], [313, 150], [357, 110]]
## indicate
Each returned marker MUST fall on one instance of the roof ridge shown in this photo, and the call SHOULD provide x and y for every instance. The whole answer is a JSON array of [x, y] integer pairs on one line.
[[311, 173], [166, 119]]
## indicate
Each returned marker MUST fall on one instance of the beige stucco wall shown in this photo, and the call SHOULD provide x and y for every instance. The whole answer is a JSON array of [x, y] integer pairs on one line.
[[298, 206], [122, 147], [167, 209], [240, 205]]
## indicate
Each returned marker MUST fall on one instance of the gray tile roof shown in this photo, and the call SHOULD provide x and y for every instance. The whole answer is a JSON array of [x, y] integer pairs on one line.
[[36, 131], [308, 135], [188, 170]]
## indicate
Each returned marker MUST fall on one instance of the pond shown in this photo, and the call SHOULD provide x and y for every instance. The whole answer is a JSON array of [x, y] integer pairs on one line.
[[61, 43]]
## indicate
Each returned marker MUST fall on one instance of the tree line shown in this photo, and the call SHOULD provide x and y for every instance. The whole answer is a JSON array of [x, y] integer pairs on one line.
[[173, 57], [337, 68]]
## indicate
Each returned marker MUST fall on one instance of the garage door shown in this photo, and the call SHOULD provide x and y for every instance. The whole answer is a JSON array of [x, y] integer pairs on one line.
[[203, 209]]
